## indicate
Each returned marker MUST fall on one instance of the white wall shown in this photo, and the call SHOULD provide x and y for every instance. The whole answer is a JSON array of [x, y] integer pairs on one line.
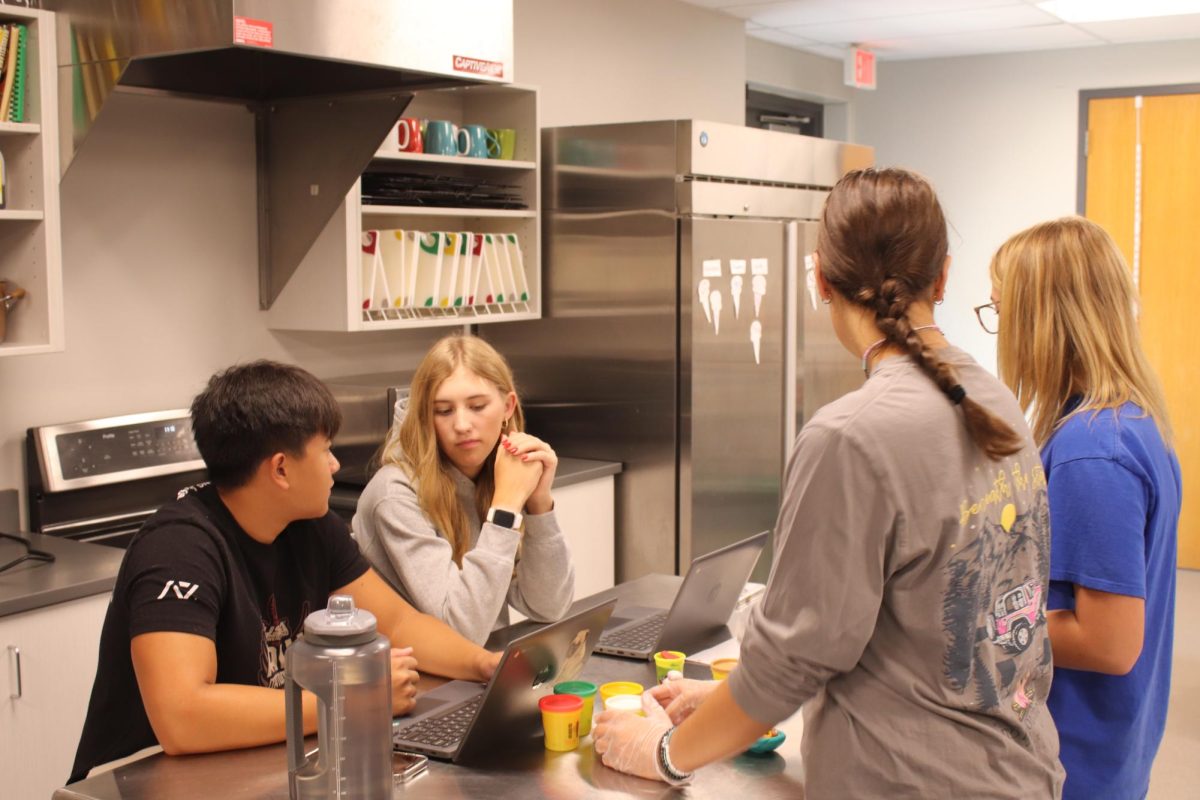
[[998, 137], [621, 60], [161, 277]]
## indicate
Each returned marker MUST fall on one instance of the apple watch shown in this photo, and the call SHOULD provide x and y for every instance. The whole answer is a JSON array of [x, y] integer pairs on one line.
[[505, 519]]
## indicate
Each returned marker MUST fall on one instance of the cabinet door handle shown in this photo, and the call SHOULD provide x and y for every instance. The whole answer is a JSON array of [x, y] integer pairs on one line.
[[14, 658]]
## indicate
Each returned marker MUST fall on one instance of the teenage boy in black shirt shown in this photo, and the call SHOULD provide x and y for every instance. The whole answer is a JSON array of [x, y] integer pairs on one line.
[[216, 585]]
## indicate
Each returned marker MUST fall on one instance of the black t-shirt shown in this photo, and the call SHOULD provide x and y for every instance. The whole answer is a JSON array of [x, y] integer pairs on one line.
[[192, 569]]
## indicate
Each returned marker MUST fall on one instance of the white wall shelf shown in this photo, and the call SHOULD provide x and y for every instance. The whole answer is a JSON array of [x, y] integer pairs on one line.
[[326, 293], [27, 128], [30, 237], [458, 161], [454, 213]]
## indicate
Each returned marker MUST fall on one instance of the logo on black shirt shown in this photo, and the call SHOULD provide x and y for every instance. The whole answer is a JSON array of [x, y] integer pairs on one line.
[[183, 590]]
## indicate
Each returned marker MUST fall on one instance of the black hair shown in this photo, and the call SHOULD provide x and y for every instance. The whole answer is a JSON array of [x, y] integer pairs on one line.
[[249, 412]]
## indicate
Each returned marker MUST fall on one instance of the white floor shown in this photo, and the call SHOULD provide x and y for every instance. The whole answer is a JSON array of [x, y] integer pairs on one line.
[[1176, 774]]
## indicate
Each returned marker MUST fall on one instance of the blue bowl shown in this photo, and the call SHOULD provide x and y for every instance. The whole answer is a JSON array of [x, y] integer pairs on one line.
[[767, 742]]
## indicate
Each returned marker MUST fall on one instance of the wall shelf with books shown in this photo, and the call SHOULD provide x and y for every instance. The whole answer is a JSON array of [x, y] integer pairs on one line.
[[30, 238], [426, 240]]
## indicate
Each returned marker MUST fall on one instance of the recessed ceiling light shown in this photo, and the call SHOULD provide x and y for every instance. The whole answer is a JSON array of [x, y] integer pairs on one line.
[[1103, 10]]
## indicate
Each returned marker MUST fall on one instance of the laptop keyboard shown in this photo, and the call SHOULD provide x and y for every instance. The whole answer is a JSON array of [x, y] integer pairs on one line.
[[444, 730], [643, 636]]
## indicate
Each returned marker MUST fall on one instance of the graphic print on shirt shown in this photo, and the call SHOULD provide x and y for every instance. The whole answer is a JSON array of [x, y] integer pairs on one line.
[[995, 599], [277, 637]]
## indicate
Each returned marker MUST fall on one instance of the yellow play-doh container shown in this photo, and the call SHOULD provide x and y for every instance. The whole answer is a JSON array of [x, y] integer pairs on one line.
[[607, 690], [560, 720], [722, 667], [667, 660], [586, 691]]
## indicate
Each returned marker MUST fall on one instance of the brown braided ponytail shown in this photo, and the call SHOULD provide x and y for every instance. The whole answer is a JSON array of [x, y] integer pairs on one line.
[[882, 244]]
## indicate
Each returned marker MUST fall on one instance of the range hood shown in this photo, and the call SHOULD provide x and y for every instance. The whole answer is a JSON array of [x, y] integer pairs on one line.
[[325, 79]]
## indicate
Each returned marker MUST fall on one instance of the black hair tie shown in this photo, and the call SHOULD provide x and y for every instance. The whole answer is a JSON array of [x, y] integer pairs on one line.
[[957, 394]]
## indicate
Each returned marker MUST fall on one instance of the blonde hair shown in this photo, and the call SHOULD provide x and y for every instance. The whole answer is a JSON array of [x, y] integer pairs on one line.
[[413, 444], [1068, 325]]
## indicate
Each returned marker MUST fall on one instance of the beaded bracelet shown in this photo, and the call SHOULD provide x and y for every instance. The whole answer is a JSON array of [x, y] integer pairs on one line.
[[666, 769]]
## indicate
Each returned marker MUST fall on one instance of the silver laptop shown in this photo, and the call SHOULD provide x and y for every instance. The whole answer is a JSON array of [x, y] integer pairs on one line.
[[461, 718], [702, 606]]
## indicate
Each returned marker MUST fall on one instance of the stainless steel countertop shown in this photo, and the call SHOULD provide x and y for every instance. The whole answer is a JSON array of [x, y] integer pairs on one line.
[[577, 470], [525, 771], [79, 570]]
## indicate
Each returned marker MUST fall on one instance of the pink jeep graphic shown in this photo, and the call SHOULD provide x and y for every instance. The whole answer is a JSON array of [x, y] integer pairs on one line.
[[1014, 616]]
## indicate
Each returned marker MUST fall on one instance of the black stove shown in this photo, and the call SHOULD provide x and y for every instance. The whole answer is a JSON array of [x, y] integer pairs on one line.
[[99, 480]]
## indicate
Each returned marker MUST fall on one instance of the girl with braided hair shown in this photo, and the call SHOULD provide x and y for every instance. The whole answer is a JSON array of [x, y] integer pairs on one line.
[[906, 606]]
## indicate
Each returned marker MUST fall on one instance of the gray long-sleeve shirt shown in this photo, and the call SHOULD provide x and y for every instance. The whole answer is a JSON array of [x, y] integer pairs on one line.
[[907, 599], [403, 544]]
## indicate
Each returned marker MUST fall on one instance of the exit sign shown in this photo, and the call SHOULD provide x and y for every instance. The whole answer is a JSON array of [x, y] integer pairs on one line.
[[860, 68]]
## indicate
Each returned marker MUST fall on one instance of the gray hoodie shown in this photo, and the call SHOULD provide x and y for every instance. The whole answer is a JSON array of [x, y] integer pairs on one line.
[[403, 545]]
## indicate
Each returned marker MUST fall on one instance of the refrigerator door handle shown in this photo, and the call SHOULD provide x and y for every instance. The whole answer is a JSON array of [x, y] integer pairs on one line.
[[794, 286]]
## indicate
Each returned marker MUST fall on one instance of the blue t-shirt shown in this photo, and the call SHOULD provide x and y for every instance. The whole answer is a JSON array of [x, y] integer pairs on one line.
[[1114, 490]]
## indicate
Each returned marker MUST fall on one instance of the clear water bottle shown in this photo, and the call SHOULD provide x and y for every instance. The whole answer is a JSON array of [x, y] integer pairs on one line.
[[342, 659]]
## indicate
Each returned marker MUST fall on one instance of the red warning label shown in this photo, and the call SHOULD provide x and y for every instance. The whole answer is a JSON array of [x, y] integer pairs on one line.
[[477, 66], [255, 32]]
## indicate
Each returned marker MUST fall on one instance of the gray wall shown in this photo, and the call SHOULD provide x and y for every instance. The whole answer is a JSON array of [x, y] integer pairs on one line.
[[160, 276], [998, 137], [622, 60], [782, 70], [159, 227]]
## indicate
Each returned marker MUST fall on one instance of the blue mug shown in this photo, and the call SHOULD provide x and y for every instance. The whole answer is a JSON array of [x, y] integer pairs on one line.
[[444, 138], [478, 141]]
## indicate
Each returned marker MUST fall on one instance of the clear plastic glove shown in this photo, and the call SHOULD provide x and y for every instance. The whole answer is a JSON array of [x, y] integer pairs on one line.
[[629, 743], [681, 696]]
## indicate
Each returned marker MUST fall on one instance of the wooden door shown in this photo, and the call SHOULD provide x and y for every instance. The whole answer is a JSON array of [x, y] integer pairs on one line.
[[1169, 269]]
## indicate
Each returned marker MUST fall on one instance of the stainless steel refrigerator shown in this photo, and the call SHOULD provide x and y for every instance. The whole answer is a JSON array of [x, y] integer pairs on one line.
[[680, 335]]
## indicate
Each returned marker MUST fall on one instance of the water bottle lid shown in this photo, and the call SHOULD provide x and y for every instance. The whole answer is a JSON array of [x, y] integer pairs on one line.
[[340, 623]]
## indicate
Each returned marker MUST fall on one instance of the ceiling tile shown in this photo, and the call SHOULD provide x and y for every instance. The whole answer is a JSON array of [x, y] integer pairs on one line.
[[1046, 37], [827, 50], [1183, 26], [722, 4], [914, 25], [779, 37], [815, 12]]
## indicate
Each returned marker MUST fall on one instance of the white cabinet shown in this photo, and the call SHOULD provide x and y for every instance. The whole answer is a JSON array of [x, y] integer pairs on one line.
[[30, 241], [327, 290], [49, 662], [585, 512]]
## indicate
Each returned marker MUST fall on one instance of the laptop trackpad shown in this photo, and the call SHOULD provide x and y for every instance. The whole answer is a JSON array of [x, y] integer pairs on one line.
[[441, 698]]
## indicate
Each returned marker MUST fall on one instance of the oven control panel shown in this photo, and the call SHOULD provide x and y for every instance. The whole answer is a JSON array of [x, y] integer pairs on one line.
[[76, 455]]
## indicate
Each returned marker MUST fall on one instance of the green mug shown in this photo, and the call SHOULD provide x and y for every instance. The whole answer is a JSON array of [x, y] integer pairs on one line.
[[502, 143]]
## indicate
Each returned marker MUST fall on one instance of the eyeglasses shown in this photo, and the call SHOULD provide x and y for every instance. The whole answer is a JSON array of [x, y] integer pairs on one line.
[[31, 553], [988, 315]]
